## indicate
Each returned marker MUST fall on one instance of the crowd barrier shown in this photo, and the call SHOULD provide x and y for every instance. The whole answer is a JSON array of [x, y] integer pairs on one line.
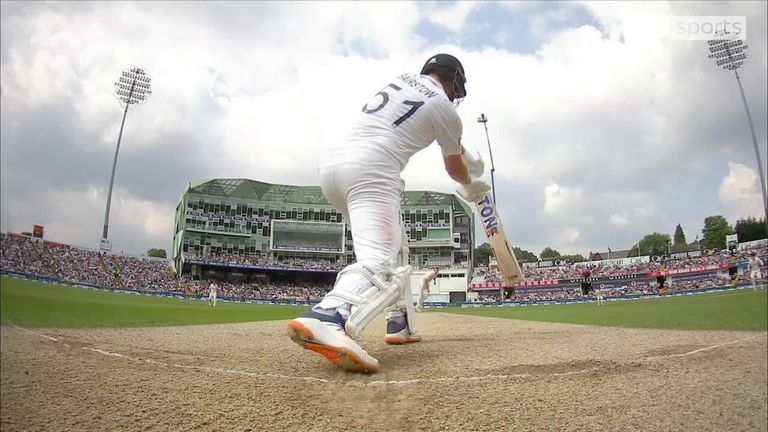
[[428, 305]]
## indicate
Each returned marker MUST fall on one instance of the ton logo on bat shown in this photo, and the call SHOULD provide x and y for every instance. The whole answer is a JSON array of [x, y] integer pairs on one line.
[[488, 214]]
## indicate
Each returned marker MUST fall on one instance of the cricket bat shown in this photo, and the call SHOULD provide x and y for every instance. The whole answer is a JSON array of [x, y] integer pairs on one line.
[[505, 256]]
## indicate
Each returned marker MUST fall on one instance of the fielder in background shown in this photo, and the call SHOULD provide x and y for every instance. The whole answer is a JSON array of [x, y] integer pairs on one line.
[[599, 295], [360, 176], [212, 292], [755, 270], [429, 277]]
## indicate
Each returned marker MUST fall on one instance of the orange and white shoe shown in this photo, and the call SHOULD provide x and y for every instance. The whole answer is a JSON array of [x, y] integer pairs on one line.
[[398, 333], [326, 336]]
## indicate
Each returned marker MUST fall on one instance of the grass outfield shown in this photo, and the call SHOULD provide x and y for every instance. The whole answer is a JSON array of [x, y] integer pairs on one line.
[[734, 310], [33, 304]]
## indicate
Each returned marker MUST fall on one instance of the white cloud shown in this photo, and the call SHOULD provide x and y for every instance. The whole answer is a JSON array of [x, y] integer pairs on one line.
[[632, 22], [740, 192], [569, 236], [76, 216], [452, 17], [641, 214], [565, 203], [384, 27], [619, 220]]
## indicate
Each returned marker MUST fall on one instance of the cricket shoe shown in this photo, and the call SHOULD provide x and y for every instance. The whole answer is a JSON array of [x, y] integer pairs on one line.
[[398, 333], [325, 335]]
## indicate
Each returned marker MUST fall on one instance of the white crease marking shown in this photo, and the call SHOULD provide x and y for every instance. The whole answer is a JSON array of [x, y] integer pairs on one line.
[[106, 353], [35, 333], [696, 351], [373, 383]]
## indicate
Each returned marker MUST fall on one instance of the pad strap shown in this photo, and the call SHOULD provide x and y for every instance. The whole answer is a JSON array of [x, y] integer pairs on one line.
[[352, 298]]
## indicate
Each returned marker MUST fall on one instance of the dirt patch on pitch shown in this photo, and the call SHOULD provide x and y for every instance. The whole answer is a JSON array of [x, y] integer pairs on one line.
[[470, 373]]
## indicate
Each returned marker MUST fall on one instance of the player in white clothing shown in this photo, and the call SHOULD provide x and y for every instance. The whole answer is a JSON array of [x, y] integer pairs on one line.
[[212, 292], [755, 270], [361, 178], [429, 277]]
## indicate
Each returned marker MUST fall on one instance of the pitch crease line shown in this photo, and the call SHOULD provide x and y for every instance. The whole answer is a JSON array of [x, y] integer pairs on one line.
[[696, 351]]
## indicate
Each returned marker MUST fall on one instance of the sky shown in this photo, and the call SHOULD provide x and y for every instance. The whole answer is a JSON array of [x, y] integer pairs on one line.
[[603, 128]]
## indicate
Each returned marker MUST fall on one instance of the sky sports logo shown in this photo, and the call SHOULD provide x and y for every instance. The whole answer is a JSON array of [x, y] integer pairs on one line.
[[696, 28]]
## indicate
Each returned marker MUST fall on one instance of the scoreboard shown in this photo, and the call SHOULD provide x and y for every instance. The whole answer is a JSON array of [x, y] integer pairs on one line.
[[306, 236]]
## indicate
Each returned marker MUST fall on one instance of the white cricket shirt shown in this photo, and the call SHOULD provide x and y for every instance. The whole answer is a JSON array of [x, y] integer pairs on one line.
[[431, 276], [406, 116], [755, 263]]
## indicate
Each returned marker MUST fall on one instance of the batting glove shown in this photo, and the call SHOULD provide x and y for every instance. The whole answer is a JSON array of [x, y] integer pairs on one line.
[[474, 190], [474, 163]]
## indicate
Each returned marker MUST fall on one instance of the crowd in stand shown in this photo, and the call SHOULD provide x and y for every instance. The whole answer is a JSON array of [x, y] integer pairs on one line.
[[631, 289], [267, 291], [306, 264], [287, 263], [295, 243], [486, 275], [230, 258], [19, 256], [76, 265], [579, 270], [700, 283], [305, 291], [24, 255]]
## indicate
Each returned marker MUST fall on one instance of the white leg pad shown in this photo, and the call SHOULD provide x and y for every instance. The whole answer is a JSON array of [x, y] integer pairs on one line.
[[404, 302], [407, 298], [386, 289]]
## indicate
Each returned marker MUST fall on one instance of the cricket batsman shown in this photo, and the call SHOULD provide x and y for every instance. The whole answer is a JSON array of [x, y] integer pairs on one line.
[[429, 277], [360, 176]]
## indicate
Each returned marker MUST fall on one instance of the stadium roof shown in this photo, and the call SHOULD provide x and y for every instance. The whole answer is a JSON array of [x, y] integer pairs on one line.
[[611, 254], [256, 190]]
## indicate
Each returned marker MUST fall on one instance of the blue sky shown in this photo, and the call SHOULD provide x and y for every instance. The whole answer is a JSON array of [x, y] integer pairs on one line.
[[509, 27]]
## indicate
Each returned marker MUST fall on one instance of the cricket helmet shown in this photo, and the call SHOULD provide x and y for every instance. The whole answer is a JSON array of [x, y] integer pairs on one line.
[[448, 68]]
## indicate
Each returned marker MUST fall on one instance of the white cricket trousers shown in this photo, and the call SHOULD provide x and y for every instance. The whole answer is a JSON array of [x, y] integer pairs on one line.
[[370, 202]]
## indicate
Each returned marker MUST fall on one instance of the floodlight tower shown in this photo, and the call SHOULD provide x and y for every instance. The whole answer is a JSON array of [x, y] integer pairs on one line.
[[730, 53], [484, 120], [133, 88]]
